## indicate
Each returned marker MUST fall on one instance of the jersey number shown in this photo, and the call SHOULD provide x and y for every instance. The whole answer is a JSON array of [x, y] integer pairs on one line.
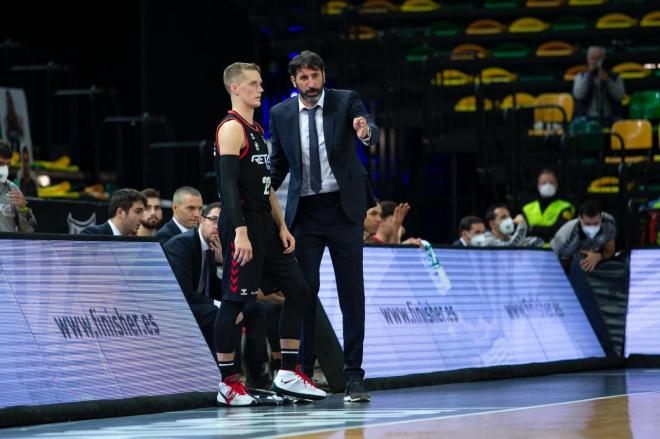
[[266, 182]]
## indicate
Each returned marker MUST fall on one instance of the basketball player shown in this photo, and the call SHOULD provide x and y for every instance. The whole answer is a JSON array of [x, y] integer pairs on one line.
[[260, 247]]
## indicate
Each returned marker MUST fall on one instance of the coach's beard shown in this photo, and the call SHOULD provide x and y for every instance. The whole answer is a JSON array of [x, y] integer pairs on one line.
[[311, 100]]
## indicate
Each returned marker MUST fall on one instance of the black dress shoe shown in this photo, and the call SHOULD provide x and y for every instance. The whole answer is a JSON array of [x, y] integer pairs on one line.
[[355, 392]]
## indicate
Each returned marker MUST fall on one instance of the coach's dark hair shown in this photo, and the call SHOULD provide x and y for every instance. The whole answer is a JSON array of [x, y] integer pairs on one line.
[[5, 150], [490, 213], [209, 207], [125, 198], [590, 208], [306, 59], [466, 223]]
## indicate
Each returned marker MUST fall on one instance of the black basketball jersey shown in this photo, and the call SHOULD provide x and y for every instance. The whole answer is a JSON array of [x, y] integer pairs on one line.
[[254, 177]]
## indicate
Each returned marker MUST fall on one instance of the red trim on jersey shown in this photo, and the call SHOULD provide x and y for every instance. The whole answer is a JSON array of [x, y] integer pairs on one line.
[[244, 150], [253, 125]]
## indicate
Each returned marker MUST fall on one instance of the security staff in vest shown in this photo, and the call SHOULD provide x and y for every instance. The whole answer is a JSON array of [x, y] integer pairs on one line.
[[548, 213], [598, 91]]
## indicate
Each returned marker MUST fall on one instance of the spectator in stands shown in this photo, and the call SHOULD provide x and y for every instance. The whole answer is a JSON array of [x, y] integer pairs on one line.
[[546, 214], [507, 232], [126, 207], [390, 230], [598, 92], [371, 223], [186, 210], [15, 215], [471, 230], [25, 176], [153, 214], [590, 238]]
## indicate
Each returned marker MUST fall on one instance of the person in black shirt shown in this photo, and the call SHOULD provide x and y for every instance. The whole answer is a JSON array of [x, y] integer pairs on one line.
[[258, 246]]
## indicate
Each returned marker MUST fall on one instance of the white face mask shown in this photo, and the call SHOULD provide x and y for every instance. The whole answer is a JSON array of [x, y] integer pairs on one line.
[[547, 190], [478, 240], [4, 173], [591, 231], [507, 227]]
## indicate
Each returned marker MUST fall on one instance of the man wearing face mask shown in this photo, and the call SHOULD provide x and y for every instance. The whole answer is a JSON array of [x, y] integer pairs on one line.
[[15, 215], [548, 213], [506, 231], [471, 230], [590, 238]]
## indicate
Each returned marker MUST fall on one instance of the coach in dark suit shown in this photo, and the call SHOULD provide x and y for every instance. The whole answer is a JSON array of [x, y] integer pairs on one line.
[[125, 211], [313, 138]]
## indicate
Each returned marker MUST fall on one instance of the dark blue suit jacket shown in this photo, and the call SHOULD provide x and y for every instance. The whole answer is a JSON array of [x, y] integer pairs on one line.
[[169, 230], [100, 229], [184, 253], [339, 109]]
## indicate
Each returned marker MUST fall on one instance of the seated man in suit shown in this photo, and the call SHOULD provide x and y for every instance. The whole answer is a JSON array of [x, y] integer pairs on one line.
[[186, 210], [126, 208], [194, 257], [471, 231]]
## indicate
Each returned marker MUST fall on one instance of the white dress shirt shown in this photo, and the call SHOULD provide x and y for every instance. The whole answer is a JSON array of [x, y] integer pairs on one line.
[[182, 228], [328, 180], [115, 230]]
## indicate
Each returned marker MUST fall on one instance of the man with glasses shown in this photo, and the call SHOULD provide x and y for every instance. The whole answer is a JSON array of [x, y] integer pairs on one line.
[[194, 257]]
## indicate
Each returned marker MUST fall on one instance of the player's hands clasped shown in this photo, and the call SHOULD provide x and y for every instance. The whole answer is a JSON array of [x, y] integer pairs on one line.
[[288, 241], [242, 246]]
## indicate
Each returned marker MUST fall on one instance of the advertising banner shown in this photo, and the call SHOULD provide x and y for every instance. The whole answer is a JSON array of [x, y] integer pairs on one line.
[[643, 316], [93, 320], [463, 309]]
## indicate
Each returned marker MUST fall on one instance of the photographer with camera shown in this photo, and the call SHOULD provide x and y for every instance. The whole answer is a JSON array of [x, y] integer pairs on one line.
[[598, 91]]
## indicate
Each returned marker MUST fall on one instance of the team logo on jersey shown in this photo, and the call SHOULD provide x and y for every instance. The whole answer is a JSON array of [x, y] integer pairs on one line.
[[261, 159]]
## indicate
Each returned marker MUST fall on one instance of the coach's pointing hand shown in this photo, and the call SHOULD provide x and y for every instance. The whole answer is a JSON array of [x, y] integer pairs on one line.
[[361, 127], [242, 246]]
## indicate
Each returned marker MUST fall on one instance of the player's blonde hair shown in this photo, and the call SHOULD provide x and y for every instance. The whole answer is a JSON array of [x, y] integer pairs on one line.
[[233, 74]]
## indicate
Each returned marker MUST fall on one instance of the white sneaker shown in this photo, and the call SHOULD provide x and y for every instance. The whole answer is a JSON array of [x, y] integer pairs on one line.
[[234, 395], [297, 385]]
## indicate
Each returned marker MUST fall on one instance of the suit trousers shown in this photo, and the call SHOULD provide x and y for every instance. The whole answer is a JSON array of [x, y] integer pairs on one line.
[[320, 221]]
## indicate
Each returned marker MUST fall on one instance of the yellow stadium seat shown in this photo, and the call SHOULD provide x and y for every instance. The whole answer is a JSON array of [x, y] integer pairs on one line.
[[631, 134], [469, 104], [485, 26], [572, 72], [555, 48], [333, 7], [652, 19], [469, 51], [586, 2], [450, 77], [631, 70], [362, 32], [615, 20], [378, 7], [419, 6], [522, 100], [528, 25], [496, 74], [552, 112], [545, 3], [604, 185], [556, 107]]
